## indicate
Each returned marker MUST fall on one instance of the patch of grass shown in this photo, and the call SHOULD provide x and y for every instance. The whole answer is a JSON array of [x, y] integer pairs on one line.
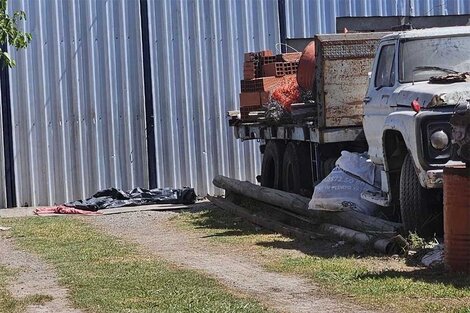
[[9, 304], [369, 280], [106, 275], [420, 290], [225, 227]]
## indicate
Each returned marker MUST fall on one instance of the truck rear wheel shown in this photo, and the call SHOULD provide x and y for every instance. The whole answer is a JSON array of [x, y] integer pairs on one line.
[[296, 170], [421, 211], [271, 167]]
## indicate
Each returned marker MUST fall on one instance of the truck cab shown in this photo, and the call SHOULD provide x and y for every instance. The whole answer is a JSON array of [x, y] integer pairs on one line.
[[418, 78]]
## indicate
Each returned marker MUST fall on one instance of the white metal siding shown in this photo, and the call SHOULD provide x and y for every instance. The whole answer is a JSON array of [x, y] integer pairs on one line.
[[197, 57], [77, 101], [305, 18]]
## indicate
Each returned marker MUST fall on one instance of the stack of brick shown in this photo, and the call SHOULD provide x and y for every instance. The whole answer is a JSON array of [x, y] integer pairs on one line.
[[262, 73]]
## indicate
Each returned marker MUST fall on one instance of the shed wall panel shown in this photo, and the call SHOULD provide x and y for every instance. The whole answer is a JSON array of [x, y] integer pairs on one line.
[[305, 18], [77, 101], [197, 56], [77, 92]]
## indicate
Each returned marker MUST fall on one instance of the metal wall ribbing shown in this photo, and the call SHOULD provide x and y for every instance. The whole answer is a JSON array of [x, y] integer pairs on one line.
[[3, 194], [305, 18], [77, 101], [197, 58], [77, 94]]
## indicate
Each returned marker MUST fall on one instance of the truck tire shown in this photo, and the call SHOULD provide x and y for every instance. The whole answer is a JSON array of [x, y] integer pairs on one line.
[[271, 167], [420, 211], [296, 170]]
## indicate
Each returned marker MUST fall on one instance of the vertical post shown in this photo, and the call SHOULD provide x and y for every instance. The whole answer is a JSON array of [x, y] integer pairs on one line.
[[7, 134], [281, 6], [149, 118]]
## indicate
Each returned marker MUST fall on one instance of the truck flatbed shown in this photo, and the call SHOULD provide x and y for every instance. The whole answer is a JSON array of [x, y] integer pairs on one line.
[[306, 132]]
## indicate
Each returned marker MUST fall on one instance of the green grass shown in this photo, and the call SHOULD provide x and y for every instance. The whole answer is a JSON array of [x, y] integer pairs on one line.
[[420, 290], [9, 304], [104, 274], [216, 225], [373, 281]]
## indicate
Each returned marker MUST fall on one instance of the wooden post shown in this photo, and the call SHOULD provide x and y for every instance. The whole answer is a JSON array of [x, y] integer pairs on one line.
[[298, 204]]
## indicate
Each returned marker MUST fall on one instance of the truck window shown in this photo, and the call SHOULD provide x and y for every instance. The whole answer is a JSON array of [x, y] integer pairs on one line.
[[385, 73], [422, 58]]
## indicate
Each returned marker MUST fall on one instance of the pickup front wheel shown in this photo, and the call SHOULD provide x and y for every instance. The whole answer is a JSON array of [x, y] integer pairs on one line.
[[421, 210]]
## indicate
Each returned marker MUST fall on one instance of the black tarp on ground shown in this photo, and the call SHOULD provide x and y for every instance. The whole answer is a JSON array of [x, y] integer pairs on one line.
[[115, 198]]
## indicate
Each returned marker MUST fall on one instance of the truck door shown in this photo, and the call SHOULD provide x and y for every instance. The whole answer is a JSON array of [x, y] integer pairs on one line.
[[379, 97]]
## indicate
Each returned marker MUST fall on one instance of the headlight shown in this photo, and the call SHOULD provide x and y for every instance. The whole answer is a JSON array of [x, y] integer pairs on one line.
[[436, 137], [439, 140]]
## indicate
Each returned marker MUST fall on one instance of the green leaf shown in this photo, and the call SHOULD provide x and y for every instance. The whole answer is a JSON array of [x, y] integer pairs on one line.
[[10, 32]]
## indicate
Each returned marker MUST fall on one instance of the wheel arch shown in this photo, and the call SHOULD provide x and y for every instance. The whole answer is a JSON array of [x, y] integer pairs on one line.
[[395, 151]]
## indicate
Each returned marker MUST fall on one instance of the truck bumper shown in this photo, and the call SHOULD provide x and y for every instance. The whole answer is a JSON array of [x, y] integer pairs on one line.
[[434, 178]]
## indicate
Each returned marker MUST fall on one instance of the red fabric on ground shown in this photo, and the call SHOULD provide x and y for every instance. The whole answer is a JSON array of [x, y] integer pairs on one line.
[[63, 210]]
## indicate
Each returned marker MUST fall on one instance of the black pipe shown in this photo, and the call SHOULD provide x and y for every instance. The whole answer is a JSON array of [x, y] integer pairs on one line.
[[149, 118], [7, 134]]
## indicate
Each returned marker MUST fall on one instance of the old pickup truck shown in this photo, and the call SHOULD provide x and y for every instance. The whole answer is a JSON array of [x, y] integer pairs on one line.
[[391, 94]]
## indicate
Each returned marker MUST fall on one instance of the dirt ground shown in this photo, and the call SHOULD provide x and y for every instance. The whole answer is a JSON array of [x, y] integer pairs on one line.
[[152, 232], [237, 270], [34, 277]]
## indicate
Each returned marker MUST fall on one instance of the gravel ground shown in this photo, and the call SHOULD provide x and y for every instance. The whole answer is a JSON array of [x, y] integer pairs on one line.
[[34, 277], [237, 270]]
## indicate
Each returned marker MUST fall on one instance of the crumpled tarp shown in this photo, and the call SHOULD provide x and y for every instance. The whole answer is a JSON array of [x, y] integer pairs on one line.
[[115, 198]]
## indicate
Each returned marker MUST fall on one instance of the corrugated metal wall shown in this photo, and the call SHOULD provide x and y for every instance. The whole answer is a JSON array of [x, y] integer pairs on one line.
[[77, 102], [3, 194], [305, 18], [78, 96], [197, 57]]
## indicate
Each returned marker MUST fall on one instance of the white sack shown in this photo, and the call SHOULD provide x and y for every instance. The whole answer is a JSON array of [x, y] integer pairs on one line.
[[341, 189], [358, 165]]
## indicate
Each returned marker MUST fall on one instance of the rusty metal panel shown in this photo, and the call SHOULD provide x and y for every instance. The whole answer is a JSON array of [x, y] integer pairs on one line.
[[344, 62], [345, 83]]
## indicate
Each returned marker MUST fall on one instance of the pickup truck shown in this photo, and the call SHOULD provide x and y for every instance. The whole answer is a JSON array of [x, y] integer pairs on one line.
[[391, 94]]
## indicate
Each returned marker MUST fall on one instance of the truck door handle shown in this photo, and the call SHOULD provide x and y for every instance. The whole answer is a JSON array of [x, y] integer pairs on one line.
[[367, 99]]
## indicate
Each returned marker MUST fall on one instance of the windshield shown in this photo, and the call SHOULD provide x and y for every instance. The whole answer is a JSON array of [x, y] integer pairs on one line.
[[422, 58]]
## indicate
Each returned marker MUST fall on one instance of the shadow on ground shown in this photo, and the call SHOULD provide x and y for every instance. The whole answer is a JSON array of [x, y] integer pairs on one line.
[[429, 275], [223, 224]]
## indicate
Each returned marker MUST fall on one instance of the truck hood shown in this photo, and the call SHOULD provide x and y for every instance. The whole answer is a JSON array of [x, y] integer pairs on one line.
[[433, 95]]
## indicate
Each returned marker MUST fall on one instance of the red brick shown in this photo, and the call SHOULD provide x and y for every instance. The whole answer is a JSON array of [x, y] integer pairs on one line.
[[265, 53], [273, 69], [264, 97], [250, 99], [260, 84], [279, 69], [250, 56], [267, 60], [289, 57]]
